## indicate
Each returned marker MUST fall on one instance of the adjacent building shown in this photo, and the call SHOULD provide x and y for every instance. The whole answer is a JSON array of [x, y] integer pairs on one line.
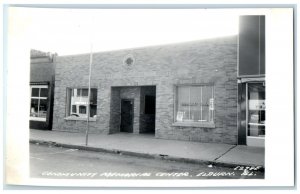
[[251, 81], [42, 76]]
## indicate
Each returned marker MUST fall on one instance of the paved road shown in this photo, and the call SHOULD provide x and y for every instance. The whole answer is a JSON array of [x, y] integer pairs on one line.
[[57, 162]]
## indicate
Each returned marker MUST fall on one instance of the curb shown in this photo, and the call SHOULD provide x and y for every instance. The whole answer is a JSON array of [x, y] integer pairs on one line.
[[144, 155]]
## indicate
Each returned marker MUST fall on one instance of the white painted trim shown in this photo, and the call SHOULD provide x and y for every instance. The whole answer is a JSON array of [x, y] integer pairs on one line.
[[37, 119], [71, 118], [42, 98], [194, 124], [255, 137], [38, 86]]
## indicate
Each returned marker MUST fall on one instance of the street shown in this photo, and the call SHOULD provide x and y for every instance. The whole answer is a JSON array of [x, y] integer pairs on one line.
[[64, 163]]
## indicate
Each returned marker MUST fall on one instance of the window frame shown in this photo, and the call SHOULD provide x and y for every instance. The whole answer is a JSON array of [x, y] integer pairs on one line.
[[202, 124], [39, 98], [70, 115]]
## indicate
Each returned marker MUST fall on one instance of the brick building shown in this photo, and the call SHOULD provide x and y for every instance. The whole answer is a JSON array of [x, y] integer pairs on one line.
[[186, 91], [42, 78]]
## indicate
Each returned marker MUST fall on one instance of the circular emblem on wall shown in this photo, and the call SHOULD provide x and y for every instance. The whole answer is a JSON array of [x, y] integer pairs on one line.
[[128, 60]]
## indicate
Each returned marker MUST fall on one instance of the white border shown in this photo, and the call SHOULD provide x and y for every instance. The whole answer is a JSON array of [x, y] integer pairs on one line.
[[279, 139]]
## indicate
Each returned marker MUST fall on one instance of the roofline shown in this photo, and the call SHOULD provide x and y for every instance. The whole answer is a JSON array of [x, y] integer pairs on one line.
[[152, 46]]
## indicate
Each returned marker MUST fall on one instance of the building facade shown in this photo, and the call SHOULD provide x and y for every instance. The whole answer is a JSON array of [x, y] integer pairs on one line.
[[185, 91], [42, 77], [251, 81]]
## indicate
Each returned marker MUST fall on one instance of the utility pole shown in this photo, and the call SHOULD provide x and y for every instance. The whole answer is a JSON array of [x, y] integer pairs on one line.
[[89, 96], [89, 89]]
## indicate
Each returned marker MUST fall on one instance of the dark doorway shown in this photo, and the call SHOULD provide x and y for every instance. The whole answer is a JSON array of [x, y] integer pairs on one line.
[[148, 109], [149, 114], [149, 104], [126, 115]]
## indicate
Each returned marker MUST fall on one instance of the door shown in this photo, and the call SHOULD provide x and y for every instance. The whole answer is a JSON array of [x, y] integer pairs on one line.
[[149, 115], [126, 115], [256, 114]]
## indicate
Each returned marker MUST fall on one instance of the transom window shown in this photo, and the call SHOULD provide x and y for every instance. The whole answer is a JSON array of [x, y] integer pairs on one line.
[[39, 102], [194, 104], [77, 102]]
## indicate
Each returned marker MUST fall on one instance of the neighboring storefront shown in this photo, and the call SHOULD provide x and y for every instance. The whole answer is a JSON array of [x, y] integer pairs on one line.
[[186, 91], [251, 81], [41, 89]]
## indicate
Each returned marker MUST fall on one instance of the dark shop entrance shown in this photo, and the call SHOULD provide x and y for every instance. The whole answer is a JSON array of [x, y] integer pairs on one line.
[[133, 109], [127, 115]]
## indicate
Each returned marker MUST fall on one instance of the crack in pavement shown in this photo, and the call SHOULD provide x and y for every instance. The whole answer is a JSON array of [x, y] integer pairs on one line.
[[224, 153]]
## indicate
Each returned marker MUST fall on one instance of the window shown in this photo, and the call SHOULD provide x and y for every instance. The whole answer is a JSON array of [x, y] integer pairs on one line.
[[77, 102], [39, 102], [195, 104], [74, 109], [82, 109]]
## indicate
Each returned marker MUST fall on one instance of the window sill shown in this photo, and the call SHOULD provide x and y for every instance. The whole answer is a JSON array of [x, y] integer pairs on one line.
[[37, 119], [194, 124], [80, 119]]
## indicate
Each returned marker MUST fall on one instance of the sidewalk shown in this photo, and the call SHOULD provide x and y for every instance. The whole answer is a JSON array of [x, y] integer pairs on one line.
[[148, 146]]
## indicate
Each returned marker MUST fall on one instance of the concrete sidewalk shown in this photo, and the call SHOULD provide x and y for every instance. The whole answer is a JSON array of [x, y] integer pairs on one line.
[[148, 146]]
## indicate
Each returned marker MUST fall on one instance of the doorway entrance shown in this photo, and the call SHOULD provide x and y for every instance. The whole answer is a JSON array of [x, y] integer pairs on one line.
[[127, 115], [133, 109], [147, 119], [148, 110], [252, 113], [255, 113]]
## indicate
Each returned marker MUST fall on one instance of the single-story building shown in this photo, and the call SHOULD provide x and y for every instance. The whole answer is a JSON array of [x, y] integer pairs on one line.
[[186, 91], [41, 89]]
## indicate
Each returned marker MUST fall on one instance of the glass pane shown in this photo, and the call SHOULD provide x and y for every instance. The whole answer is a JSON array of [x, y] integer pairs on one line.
[[84, 92], [43, 108], [44, 92], [183, 103], [195, 103], [74, 109], [82, 109], [34, 107], [206, 102], [35, 92], [256, 108]]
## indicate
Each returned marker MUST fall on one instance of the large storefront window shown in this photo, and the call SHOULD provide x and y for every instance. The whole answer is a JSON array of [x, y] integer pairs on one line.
[[39, 102], [77, 102], [195, 104], [256, 109]]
